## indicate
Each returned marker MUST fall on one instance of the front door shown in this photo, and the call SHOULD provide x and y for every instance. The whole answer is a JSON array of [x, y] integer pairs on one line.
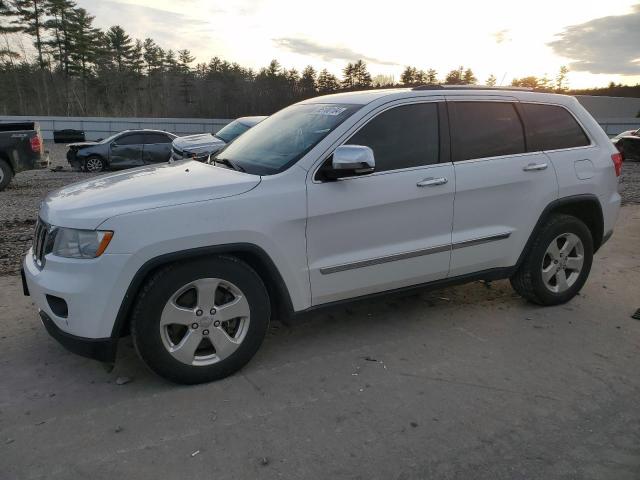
[[388, 229], [126, 151]]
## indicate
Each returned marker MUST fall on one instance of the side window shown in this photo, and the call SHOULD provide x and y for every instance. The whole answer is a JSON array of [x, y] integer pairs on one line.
[[485, 129], [132, 139], [402, 137], [153, 138], [550, 127]]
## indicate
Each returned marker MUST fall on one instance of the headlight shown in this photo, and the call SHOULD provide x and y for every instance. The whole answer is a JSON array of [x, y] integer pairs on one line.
[[73, 243]]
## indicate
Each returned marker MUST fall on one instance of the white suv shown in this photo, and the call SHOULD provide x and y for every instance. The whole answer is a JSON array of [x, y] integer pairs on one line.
[[330, 199]]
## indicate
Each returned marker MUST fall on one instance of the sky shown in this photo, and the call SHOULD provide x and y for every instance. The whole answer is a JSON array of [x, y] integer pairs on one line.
[[597, 40]]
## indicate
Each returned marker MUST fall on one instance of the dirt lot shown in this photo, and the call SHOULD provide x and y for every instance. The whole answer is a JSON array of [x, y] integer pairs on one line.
[[462, 383]]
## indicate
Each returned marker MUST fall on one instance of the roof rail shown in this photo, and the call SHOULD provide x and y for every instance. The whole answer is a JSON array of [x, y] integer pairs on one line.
[[436, 86]]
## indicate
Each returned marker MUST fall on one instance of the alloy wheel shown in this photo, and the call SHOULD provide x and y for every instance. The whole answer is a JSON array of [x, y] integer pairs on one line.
[[562, 262], [205, 321]]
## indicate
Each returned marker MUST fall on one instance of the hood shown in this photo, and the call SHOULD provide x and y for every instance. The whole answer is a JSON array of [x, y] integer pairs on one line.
[[81, 144], [88, 204], [199, 143]]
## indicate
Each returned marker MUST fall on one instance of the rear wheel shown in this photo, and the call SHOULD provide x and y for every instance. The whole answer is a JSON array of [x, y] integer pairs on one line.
[[558, 264], [94, 164], [6, 174], [201, 320]]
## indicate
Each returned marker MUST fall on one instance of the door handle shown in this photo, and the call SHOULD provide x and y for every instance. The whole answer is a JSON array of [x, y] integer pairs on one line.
[[432, 182], [532, 167]]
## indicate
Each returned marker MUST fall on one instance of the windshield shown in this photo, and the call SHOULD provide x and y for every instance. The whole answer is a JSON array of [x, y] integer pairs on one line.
[[284, 138], [231, 132]]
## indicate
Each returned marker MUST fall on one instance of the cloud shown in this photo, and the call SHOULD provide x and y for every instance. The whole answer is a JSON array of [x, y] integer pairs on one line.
[[501, 36], [326, 52], [603, 45]]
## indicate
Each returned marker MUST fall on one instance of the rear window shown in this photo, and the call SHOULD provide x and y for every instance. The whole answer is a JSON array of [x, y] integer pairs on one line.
[[153, 138], [485, 129], [551, 127]]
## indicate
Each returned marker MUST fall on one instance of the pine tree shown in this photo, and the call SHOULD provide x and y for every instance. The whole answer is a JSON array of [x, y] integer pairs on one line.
[[454, 77], [327, 82], [469, 78], [308, 82], [7, 14], [185, 59], [348, 76], [491, 80], [432, 76], [120, 47], [408, 76], [361, 75], [30, 19], [59, 25], [561, 79]]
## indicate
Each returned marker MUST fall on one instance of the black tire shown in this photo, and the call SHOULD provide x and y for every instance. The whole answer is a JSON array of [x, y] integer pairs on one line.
[[95, 159], [528, 280], [156, 292], [6, 174]]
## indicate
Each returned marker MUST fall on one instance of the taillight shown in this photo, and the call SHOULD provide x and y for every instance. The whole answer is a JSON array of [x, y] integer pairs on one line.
[[617, 159], [36, 144]]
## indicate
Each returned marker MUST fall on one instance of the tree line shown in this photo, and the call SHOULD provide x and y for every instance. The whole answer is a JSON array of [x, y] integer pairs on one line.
[[80, 70]]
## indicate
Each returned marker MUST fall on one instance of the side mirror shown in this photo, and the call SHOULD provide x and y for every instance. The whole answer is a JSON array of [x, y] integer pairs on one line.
[[353, 160]]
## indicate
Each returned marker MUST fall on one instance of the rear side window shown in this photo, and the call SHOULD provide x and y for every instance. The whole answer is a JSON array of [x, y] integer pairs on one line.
[[132, 139], [485, 129], [402, 137], [152, 138], [551, 127]]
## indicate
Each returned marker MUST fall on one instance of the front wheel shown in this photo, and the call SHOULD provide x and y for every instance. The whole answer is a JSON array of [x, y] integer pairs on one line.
[[6, 174], [202, 320], [94, 164], [558, 263]]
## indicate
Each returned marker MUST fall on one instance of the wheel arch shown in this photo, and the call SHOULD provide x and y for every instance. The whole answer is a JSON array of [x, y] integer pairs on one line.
[[585, 207], [254, 256], [4, 156]]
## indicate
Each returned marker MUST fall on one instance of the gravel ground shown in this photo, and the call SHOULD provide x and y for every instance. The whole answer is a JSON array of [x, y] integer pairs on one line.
[[19, 202]]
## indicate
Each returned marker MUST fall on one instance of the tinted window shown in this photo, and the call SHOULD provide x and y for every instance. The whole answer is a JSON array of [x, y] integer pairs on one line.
[[131, 139], [151, 138], [402, 137], [485, 129], [550, 128]]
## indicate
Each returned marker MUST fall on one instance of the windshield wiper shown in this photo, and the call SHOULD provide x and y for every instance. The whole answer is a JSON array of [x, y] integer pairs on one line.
[[229, 163]]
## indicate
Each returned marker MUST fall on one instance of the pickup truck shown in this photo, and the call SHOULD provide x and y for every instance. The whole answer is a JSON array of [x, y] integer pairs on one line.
[[20, 149]]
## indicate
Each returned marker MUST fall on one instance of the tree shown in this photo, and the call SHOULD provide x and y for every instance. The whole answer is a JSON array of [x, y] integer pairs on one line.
[[7, 14], [491, 81], [528, 82], [185, 59], [561, 79], [455, 77], [120, 47], [30, 18], [327, 82], [408, 76], [348, 76], [361, 75], [59, 25], [308, 82], [469, 78], [432, 76]]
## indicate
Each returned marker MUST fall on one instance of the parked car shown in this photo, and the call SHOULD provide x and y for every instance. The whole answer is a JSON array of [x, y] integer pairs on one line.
[[200, 146], [331, 199], [628, 143], [20, 150], [130, 148]]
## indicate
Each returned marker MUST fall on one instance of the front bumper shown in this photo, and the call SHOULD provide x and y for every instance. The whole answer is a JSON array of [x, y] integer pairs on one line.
[[93, 291], [102, 349]]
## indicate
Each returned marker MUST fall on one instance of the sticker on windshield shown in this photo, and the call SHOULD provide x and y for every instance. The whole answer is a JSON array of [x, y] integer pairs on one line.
[[330, 110]]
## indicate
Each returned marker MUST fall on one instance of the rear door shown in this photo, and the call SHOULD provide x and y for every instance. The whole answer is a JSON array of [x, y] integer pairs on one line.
[[391, 228], [126, 151], [157, 147], [501, 187]]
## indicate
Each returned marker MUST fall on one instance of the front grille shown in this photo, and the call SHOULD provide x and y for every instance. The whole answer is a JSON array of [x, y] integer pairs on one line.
[[41, 242]]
